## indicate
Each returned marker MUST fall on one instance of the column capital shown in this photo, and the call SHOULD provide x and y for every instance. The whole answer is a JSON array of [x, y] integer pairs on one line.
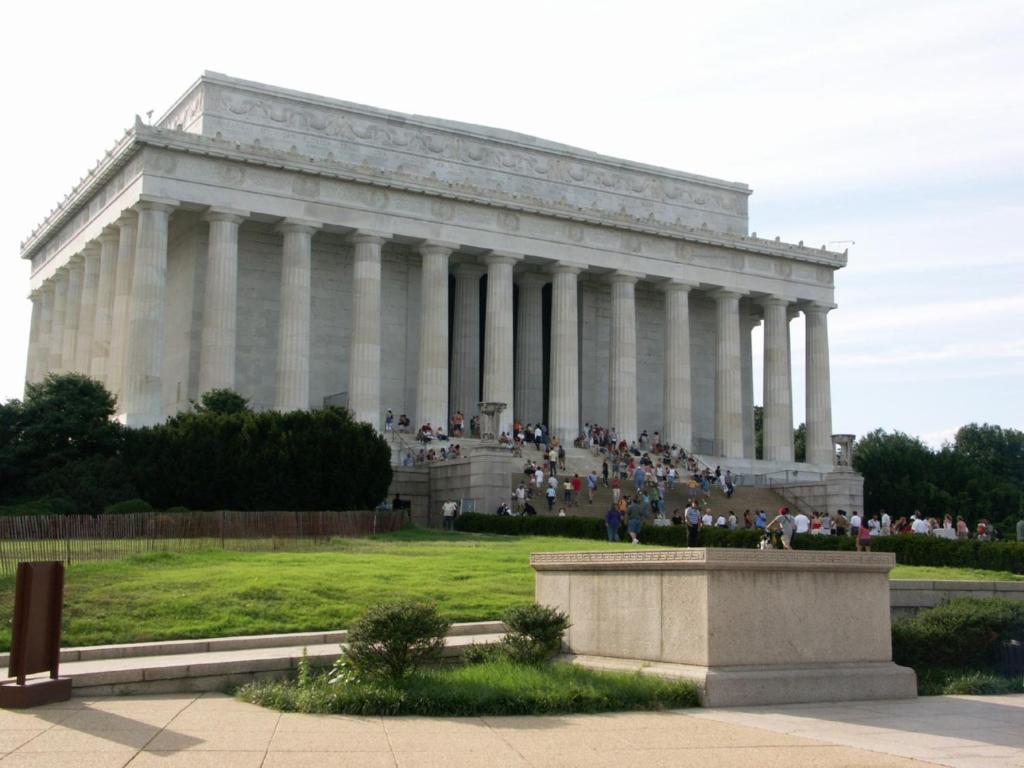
[[773, 301], [302, 226], [155, 203], [501, 257], [536, 279], [624, 276], [128, 218], [110, 235], [75, 260], [566, 268], [816, 307], [726, 294], [673, 285], [230, 215], [368, 237], [436, 247], [469, 269]]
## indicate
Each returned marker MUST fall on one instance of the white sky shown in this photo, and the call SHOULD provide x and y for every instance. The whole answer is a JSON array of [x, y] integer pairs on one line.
[[899, 125]]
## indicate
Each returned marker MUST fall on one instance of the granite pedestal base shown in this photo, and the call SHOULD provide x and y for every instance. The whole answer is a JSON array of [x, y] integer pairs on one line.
[[750, 627]]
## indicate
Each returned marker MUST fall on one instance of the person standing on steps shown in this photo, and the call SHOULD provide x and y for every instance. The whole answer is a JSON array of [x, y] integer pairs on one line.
[[692, 518], [591, 485], [389, 421]]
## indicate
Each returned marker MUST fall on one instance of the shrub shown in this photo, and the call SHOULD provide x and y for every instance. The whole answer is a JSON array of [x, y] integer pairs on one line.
[[534, 633], [129, 507], [909, 549], [966, 633], [956, 682], [391, 640], [302, 460], [57, 505]]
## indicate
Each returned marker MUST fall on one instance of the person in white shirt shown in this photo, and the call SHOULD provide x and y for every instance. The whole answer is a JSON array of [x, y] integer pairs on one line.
[[732, 520], [855, 521], [707, 520], [886, 523], [803, 522]]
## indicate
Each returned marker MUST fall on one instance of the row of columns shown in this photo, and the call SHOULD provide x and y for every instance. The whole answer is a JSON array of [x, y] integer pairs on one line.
[[103, 315]]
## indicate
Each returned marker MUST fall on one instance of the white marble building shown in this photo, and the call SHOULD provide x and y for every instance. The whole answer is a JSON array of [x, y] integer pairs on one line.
[[295, 248]]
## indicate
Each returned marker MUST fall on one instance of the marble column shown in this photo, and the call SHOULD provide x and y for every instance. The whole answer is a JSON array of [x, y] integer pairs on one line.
[[295, 313], [778, 391], [529, 384], [42, 358], [72, 312], [365, 356], [499, 370], [98, 365], [622, 394], [748, 322], [87, 313], [564, 394], [218, 337], [820, 449], [144, 356], [465, 375], [678, 427], [32, 362], [55, 354], [728, 376], [128, 226], [432, 376]]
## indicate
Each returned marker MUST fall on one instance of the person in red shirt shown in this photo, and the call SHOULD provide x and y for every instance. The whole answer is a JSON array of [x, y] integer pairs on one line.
[[577, 483]]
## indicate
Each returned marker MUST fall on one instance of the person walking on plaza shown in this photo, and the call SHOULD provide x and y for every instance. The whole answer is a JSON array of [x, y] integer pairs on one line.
[[636, 520], [612, 522], [786, 525], [448, 510], [864, 539], [616, 487], [591, 486]]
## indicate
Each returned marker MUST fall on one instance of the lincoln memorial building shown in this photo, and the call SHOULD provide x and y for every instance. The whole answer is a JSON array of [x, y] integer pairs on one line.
[[303, 250]]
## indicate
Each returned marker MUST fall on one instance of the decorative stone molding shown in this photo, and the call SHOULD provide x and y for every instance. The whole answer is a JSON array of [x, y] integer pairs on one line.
[[707, 559]]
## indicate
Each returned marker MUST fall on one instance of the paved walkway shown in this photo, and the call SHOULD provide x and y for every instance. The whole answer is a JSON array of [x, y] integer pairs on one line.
[[215, 730]]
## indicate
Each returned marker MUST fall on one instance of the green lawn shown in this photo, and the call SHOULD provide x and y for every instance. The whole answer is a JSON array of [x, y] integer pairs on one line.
[[932, 573], [217, 593]]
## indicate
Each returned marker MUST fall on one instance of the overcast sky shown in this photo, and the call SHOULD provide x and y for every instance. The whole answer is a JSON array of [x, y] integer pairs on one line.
[[898, 125]]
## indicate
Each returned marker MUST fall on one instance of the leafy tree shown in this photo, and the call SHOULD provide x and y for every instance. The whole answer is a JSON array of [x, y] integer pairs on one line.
[[800, 443], [759, 431], [223, 401], [61, 442]]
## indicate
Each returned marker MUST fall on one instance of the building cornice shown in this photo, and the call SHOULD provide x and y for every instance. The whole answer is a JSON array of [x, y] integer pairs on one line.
[[142, 135]]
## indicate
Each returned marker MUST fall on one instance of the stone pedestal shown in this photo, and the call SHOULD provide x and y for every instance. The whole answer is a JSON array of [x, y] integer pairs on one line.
[[750, 627]]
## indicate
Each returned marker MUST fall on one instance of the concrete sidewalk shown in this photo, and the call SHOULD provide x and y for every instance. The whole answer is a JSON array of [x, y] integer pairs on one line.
[[215, 730]]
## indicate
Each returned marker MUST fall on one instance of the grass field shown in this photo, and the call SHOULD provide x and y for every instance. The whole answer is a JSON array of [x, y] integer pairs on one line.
[[216, 593]]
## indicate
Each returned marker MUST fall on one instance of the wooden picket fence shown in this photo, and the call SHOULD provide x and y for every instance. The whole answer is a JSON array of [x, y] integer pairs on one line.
[[76, 538]]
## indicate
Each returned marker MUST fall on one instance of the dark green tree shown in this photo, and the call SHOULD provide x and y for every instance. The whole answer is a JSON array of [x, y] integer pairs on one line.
[[800, 443], [224, 401], [61, 442]]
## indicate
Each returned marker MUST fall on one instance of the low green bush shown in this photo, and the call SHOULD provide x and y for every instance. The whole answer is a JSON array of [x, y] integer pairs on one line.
[[534, 633], [957, 682], [49, 506], [390, 641], [496, 688], [129, 507], [909, 549], [966, 634]]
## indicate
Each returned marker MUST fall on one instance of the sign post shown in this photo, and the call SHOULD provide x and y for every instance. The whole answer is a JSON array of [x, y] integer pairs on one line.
[[35, 638]]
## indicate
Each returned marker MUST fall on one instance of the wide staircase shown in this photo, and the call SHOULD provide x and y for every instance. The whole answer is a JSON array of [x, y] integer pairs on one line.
[[581, 461]]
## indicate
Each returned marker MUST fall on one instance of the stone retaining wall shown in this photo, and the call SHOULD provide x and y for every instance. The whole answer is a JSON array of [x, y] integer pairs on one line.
[[906, 598]]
